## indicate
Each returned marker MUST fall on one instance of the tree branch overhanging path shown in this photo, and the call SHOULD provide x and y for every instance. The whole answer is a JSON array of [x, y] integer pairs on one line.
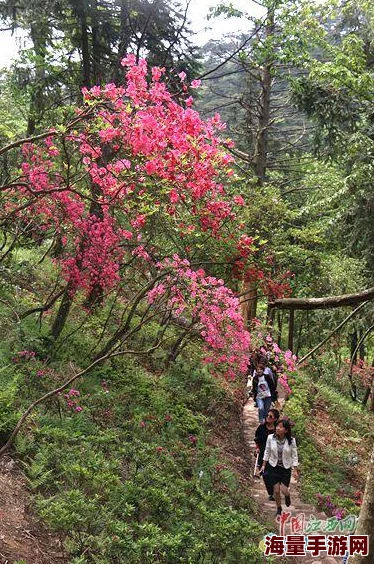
[[331, 334], [323, 303], [329, 302]]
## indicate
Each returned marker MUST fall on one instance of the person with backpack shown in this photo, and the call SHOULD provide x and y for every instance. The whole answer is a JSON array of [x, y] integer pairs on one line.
[[271, 371], [251, 367], [264, 392]]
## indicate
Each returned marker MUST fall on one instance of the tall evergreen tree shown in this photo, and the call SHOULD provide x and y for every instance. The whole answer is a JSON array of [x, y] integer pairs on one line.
[[76, 43]]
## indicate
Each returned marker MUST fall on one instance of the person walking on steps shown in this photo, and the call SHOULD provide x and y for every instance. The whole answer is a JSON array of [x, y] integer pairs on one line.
[[264, 392], [250, 371], [261, 435], [273, 375], [280, 457]]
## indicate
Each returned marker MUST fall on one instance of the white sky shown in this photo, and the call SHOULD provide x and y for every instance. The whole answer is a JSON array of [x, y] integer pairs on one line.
[[219, 26], [7, 48], [197, 15]]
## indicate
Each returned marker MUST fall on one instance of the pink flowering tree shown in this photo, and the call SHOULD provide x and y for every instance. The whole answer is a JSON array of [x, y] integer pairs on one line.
[[132, 197]]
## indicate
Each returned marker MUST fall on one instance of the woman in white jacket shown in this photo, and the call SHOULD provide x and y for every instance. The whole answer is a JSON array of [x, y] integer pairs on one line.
[[279, 458]]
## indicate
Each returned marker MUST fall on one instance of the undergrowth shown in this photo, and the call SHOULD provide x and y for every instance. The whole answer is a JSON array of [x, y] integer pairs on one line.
[[333, 435], [121, 469]]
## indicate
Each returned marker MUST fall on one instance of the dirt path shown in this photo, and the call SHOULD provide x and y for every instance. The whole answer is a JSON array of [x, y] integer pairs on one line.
[[297, 508], [22, 536]]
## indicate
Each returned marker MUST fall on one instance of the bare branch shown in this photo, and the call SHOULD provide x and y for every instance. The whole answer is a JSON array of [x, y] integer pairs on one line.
[[40, 309], [230, 57], [303, 359], [323, 303]]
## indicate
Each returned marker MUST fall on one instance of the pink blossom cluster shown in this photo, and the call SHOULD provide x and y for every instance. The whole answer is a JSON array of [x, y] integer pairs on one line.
[[72, 399], [167, 142], [283, 381], [214, 308], [163, 158], [290, 360], [90, 265], [140, 159], [24, 355]]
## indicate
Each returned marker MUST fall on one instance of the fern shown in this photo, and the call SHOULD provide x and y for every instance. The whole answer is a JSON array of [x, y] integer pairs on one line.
[[38, 473]]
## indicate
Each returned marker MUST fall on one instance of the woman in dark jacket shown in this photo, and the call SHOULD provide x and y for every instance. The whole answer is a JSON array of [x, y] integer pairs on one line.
[[261, 435]]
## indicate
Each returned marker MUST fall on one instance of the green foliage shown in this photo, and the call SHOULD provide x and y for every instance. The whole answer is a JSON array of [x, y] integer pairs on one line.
[[346, 412], [297, 405], [12, 123], [326, 468], [336, 95], [132, 478], [9, 414]]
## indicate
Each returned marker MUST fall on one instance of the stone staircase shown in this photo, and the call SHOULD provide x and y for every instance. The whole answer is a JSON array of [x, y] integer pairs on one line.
[[297, 508]]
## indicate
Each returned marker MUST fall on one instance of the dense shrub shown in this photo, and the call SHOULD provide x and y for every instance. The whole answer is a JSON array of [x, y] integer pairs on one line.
[[130, 478], [327, 466]]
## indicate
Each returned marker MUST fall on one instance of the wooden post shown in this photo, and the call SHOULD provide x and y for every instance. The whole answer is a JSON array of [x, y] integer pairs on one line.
[[291, 324], [249, 304], [280, 323]]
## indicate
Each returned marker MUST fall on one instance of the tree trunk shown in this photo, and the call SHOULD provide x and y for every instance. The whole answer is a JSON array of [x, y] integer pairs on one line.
[[291, 328], [260, 157], [85, 46], [249, 305], [261, 145], [361, 348], [118, 71], [299, 333], [354, 341], [366, 395], [280, 324], [96, 51], [63, 312], [38, 33], [366, 520], [270, 317], [96, 295]]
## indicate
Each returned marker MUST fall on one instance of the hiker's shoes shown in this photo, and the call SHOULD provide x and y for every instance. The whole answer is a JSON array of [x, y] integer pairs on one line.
[[279, 511], [287, 499], [271, 498]]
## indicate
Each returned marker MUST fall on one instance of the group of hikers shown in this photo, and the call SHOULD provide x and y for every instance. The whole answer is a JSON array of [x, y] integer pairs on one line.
[[276, 449]]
